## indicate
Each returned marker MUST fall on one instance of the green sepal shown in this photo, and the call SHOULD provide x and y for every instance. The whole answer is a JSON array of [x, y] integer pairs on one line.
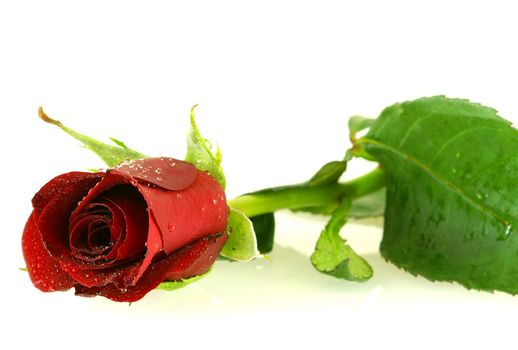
[[264, 228], [241, 244], [333, 256], [110, 155], [174, 285], [199, 153]]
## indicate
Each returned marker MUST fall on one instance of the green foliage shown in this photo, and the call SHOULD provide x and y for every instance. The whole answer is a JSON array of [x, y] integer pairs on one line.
[[264, 228], [174, 285], [328, 174], [110, 155], [333, 256], [199, 153], [358, 123], [242, 243], [452, 191]]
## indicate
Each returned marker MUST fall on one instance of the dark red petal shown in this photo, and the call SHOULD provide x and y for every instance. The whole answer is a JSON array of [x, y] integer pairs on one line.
[[44, 271], [195, 258], [134, 209], [68, 262], [154, 245], [53, 219], [57, 184], [168, 173], [186, 216], [120, 275]]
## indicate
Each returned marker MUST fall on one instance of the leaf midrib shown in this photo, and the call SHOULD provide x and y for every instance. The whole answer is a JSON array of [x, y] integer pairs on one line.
[[486, 210]]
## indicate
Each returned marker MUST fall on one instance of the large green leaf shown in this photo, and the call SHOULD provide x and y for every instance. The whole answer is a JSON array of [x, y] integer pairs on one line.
[[452, 191]]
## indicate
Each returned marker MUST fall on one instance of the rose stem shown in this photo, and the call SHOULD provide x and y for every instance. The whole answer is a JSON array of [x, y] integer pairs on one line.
[[302, 195]]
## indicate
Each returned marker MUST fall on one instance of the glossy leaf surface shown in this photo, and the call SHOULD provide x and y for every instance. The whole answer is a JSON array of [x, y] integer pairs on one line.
[[452, 191]]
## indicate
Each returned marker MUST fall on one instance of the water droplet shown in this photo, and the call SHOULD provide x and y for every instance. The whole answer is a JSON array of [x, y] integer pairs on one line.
[[481, 196], [506, 234], [469, 236], [171, 227]]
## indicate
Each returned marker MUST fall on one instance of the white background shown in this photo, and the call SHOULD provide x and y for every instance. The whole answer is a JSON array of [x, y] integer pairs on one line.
[[276, 82]]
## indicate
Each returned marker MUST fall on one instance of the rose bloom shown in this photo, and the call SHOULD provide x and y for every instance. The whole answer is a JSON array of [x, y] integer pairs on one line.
[[121, 233]]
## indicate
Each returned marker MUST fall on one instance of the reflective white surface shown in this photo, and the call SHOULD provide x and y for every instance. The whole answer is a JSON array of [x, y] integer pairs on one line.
[[276, 82]]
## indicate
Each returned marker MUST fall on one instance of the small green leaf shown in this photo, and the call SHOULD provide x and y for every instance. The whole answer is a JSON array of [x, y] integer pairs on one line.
[[333, 256], [199, 153], [330, 173], [264, 227], [358, 123], [118, 143], [174, 285], [110, 155], [23, 269], [242, 243]]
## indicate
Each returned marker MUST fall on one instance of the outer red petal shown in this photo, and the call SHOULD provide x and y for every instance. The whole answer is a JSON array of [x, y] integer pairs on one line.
[[57, 184], [44, 271], [191, 260], [189, 215], [168, 173]]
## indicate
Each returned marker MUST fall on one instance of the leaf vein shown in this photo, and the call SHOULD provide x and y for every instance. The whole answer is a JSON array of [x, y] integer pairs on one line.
[[439, 179]]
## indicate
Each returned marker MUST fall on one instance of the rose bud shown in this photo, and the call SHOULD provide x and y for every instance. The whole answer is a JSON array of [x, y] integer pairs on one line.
[[121, 233]]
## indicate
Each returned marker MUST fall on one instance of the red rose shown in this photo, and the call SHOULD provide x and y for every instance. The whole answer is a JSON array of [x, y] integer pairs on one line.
[[121, 233]]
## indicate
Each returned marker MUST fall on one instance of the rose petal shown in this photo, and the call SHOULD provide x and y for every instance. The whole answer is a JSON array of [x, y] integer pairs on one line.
[[121, 275], [132, 205], [57, 184], [168, 173], [186, 216], [197, 257], [154, 245], [67, 261], [44, 271], [53, 219]]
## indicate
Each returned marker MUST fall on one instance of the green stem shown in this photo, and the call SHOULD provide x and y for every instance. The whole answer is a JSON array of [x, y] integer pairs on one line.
[[303, 195]]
